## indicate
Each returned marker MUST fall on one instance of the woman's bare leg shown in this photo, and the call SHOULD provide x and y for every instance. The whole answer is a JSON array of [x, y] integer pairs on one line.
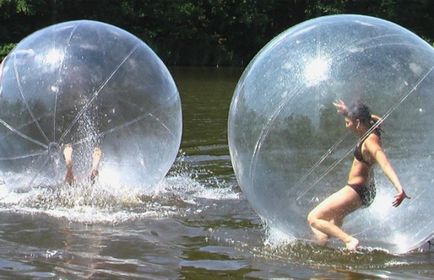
[[96, 158], [321, 237], [327, 217], [67, 153]]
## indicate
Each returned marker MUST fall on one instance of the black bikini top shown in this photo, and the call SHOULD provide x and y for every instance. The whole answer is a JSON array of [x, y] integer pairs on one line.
[[358, 152], [358, 149]]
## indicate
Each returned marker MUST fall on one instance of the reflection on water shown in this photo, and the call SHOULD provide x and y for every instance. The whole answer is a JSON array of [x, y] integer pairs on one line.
[[196, 226]]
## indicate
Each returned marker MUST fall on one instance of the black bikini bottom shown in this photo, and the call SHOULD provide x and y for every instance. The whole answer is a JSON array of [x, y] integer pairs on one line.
[[366, 192]]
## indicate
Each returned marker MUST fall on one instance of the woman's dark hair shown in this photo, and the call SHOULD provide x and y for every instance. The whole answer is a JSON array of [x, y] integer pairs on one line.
[[359, 111]]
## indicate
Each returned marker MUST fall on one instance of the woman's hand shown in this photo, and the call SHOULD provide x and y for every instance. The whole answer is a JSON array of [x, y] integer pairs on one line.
[[399, 198], [341, 107]]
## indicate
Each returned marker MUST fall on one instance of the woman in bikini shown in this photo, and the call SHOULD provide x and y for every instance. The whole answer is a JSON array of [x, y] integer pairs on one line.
[[326, 218]]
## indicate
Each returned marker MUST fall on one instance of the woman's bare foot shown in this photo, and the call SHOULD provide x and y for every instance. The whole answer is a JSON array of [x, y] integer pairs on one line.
[[67, 153], [96, 158], [353, 244]]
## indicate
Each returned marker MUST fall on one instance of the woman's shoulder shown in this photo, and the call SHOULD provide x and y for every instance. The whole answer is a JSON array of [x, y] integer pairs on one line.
[[373, 140]]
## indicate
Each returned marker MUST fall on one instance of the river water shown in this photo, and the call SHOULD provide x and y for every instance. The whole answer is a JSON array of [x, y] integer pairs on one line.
[[197, 226]]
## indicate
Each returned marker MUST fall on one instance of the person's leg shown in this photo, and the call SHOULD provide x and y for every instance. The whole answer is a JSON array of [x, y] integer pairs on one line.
[[67, 153], [320, 237], [96, 158], [327, 217]]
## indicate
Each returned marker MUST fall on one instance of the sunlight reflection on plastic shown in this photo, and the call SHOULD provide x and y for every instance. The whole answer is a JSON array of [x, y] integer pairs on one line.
[[290, 149], [89, 84], [316, 71]]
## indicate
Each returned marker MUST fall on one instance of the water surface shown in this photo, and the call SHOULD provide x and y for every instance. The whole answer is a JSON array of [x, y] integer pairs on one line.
[[198, 225]]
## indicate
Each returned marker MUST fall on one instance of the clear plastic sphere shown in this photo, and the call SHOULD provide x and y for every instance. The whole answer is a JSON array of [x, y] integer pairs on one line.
[[87, 84], [290, 149]]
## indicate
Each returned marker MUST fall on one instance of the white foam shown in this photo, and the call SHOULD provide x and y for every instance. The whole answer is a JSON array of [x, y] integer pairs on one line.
[[101, 203], [276, 237]]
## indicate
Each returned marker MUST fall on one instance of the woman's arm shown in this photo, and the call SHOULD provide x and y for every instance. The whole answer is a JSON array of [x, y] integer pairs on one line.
[[376, 118], [376, 151]]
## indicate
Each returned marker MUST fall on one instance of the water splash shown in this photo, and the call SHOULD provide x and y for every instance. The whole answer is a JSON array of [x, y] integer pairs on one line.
[[178, 194]]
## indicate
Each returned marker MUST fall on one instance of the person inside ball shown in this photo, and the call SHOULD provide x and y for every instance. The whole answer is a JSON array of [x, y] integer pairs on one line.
[[326, 218], [96, 158]]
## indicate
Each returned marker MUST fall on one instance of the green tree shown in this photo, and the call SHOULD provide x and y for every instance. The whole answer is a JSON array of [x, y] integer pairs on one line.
[[203, 32]]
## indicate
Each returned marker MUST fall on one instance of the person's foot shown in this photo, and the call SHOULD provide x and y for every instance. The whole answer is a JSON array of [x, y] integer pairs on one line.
[[353, 244], [67, 153], [96, 158]]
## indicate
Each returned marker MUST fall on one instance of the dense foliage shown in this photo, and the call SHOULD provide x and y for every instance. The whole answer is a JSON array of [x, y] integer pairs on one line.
[[203, 32]]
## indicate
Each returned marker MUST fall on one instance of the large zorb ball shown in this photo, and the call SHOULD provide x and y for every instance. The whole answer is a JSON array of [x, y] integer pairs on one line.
[[290, 149], [87, 84]]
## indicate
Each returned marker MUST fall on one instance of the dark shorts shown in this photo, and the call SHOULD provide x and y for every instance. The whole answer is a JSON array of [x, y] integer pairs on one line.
[[366, 193]]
